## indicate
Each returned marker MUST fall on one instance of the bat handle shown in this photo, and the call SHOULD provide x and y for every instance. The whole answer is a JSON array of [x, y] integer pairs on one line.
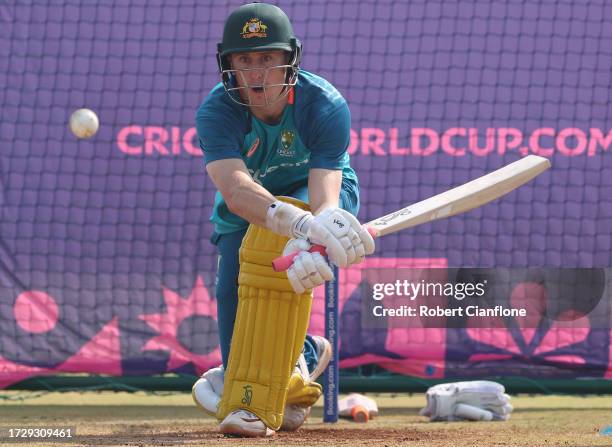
[[282, 263]]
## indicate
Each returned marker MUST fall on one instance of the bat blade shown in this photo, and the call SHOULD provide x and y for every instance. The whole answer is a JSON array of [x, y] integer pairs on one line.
[[463, 198], [455, 201]]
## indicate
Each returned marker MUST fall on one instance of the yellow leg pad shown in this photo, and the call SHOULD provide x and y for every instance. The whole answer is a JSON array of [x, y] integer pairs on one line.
[[269, 332], [301, 392]]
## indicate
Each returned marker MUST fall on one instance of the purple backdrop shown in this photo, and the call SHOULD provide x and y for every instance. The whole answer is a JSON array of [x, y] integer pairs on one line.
[[105, 260]]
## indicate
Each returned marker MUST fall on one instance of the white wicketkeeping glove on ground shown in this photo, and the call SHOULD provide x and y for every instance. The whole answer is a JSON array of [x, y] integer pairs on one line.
[[308, 269], [475, 400], [344, 238]]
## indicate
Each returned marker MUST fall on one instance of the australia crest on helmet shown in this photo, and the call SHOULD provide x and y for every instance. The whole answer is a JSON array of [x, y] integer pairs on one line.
[[254, 28]]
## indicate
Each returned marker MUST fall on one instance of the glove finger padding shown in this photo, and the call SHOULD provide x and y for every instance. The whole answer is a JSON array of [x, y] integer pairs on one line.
[[362, 236], [345, 239], [333, 243], [310, 265], [308, 269], [296, 244], [367, 239]]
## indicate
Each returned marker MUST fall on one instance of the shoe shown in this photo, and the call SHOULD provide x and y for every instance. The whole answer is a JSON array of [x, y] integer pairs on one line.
[[245, 424], [294, 417], [324, 353]]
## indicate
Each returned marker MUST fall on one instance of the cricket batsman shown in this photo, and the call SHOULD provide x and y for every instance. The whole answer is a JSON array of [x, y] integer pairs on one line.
[[275, 142]]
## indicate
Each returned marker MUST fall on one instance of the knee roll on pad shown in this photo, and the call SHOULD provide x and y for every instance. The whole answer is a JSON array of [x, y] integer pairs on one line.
[[269, 332]]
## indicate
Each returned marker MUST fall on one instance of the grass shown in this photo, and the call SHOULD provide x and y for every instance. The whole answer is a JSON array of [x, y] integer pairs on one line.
[[141, 419]]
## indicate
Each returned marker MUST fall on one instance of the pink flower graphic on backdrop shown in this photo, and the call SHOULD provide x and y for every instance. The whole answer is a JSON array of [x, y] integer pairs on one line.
[[419, 350], [568, 329], [37, 312], [178, 309]]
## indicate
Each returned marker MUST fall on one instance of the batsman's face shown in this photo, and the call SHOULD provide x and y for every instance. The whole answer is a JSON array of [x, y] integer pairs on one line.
[[260, 75]]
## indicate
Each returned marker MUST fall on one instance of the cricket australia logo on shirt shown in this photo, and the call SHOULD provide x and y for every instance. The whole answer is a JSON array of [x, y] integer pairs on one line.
[[286, 148]]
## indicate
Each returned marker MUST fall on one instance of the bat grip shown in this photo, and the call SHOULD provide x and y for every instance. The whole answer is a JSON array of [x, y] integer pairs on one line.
[[282, 263]]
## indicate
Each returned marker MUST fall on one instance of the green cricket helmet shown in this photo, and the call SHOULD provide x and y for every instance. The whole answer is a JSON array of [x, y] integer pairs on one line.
[[257, 27]]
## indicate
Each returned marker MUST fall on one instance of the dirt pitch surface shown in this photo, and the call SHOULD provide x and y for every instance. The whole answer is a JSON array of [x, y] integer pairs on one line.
[[139, 419]]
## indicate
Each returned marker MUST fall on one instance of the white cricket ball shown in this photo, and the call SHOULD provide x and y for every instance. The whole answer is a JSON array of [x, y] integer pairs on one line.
[[84, 123]]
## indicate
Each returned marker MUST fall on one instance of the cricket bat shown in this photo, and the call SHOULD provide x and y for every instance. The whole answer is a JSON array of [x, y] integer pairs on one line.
[[455, 201]]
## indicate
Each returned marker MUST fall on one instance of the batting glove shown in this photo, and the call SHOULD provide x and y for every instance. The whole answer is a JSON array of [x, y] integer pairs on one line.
[[346, 241], [308, 270]]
